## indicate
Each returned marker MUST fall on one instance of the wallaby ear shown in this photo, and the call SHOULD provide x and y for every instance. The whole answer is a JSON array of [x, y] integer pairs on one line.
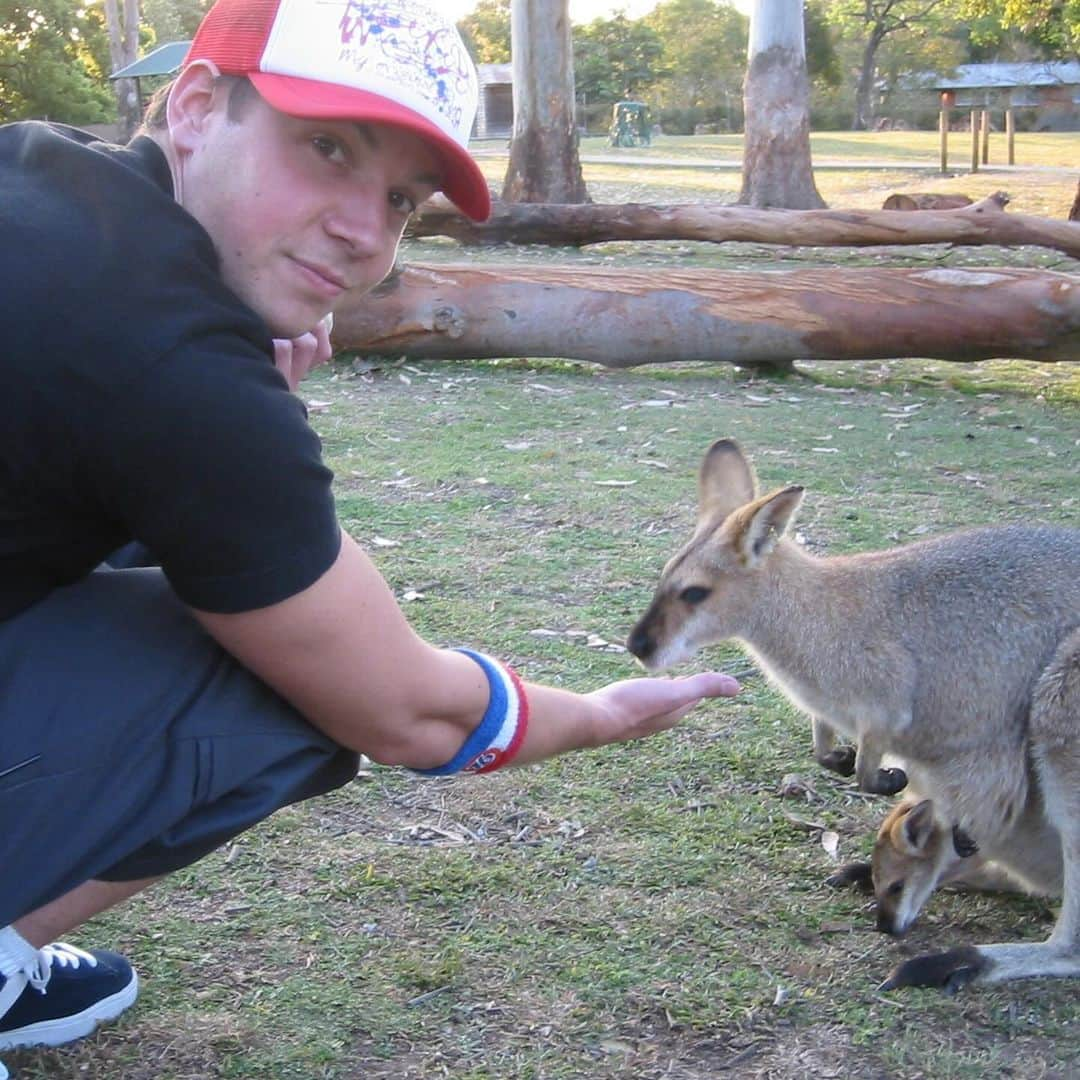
[[725, 481], [757, 526], [916, 828]]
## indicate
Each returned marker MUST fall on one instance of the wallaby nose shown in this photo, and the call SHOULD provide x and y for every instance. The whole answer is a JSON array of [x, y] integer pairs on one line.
[[886, 925], [640, 643]]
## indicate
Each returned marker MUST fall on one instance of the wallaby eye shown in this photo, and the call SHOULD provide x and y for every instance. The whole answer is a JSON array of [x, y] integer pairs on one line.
[[896, 888], [694, 594]]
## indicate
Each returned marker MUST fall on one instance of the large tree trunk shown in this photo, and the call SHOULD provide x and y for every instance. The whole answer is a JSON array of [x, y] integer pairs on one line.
[[622, 317], [864, 88], [776, 95], [122, 23], [544, 165], [984, 222]]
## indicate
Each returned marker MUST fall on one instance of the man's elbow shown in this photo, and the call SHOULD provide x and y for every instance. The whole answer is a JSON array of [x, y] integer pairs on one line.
[[408, 742]]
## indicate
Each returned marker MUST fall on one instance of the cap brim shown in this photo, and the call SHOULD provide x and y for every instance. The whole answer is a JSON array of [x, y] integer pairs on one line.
[[463, 182]]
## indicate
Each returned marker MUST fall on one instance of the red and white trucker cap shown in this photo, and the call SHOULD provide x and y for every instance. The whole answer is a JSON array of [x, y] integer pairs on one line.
[[397, 62]]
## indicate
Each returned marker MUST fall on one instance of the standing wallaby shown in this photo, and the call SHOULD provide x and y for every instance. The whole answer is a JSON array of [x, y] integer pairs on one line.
[[915, 853], [960, 655]]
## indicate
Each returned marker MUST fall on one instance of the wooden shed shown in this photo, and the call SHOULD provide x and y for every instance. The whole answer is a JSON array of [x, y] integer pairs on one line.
[[1045, 95]]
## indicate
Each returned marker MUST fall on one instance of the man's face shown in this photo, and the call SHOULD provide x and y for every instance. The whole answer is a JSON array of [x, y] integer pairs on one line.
[[301, 211]]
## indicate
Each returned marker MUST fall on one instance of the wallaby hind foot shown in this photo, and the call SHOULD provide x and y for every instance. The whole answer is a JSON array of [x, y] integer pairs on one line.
[[951, 971]]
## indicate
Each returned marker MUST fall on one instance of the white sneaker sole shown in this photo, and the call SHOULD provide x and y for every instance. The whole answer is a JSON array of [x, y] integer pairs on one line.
[[67, 1029]]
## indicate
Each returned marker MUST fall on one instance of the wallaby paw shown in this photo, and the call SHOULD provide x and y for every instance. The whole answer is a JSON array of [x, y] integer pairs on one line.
[[841, 760], [887, 782], [855, 875], [949, 971], [963, 843]]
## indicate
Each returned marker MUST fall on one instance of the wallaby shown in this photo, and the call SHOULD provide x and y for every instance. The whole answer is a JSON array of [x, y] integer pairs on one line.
[[960, 655], [915, 853]]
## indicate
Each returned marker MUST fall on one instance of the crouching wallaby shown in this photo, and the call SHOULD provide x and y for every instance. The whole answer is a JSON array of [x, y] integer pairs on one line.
[[915, 853], [959, 655]]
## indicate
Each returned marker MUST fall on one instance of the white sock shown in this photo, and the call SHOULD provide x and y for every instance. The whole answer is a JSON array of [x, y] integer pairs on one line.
[[16, 953], [20, 965]]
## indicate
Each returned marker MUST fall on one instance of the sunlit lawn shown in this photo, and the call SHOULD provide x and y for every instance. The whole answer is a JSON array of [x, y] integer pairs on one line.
[[1061, 149], [645, 174]]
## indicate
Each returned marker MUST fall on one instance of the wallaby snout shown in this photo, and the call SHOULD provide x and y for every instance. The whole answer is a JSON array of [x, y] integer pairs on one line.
[[642, 642], [886, 925], [665, 634]]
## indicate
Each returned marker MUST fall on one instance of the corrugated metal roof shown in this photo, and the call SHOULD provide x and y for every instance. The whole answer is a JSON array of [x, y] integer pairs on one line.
[[495, 73], [164, 60], [980, 76]]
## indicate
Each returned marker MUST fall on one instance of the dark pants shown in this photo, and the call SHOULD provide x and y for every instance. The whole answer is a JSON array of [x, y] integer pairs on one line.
[[131, 744]]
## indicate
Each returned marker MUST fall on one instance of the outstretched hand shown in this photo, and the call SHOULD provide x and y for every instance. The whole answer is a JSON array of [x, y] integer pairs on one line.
[[295, 357], [634, 708]]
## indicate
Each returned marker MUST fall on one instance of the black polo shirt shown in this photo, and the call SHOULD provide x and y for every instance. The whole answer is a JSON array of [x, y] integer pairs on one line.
[[140, 398]]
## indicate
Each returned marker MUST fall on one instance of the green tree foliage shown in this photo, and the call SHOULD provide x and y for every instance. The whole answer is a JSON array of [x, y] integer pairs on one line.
[[171, 20], [54, 62], [616, 58], [704, 50], [822, 61], [486, 31], [904, 54], [1052, 25], [871, 23]]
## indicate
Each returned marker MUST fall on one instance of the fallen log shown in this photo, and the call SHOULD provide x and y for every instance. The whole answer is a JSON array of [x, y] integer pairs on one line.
[[925, 200], [983, 222], [1074, 212], [622, 318]]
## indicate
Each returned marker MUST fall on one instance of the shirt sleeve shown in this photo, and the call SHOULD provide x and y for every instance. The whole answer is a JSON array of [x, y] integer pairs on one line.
[[209, 460]]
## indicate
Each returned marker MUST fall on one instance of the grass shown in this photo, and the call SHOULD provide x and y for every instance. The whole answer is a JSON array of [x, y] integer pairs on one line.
[[1034, 190], [649, 910], [916, 147]]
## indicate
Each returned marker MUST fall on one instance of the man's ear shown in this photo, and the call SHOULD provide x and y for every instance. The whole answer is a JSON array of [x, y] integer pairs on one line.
[[191, 103]]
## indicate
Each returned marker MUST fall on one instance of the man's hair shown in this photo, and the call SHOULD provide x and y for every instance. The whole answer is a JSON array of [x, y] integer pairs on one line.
[[241, 91]]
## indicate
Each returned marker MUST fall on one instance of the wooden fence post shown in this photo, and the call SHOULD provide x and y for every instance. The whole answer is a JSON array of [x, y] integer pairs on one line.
[[1010, 133], [943, 127], [974, 140], [985, 122]]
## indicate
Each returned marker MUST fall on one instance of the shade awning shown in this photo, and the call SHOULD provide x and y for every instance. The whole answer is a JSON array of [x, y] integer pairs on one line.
[[164, 60]]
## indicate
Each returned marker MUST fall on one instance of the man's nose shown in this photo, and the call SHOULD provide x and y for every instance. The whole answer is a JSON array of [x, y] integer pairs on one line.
[[361, 223]]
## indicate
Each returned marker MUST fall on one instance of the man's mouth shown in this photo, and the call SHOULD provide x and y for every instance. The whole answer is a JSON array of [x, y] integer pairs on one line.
[[324, 280]]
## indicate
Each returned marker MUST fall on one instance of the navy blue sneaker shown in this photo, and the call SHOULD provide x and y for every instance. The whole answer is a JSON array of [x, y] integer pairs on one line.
[[64, 997]]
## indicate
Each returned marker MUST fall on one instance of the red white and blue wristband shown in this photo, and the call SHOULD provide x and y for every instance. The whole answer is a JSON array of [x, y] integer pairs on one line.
[[501, 731]]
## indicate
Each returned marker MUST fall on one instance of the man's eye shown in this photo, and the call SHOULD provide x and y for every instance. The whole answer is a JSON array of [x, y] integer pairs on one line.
[[694, 594], [401, 202], [327, 147]]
